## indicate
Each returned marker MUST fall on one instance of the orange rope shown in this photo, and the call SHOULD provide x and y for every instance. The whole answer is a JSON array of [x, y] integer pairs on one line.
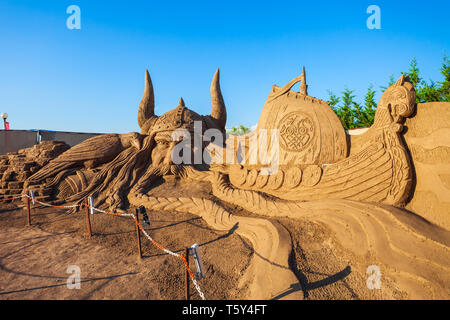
[[1, 200], [137, 223], [157, 244]]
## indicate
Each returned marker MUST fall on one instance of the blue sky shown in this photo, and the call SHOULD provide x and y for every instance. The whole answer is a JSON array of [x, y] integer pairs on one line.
[[91, 80]]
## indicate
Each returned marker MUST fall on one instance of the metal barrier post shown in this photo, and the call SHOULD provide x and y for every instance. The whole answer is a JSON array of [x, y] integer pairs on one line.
[[138, 233], [28, 212], [186, 274], [198, 261]]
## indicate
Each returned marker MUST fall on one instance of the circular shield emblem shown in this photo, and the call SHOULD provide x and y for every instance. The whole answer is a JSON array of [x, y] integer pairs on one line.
[[296, 131], [261, 180], [251, 177], [276, 180], [312, 175], [293, 177]]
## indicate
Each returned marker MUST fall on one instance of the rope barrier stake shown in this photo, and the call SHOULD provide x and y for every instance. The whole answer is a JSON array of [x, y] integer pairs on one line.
[[28, 212], [91, 204], [138, 234], [88, 220], [33, 200], [198, 261], [186, 274], [138, 226]]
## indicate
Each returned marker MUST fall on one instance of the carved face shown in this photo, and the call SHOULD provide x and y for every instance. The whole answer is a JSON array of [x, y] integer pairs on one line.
[[170, 150], [162, 152], [399, 99], [403, 102]]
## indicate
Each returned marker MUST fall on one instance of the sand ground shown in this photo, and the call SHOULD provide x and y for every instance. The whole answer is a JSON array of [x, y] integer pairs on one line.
[[34, 260], [327, 257]]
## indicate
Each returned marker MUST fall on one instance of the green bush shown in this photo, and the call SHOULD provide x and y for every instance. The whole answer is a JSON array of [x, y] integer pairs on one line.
[[237, 131], [356, 115]]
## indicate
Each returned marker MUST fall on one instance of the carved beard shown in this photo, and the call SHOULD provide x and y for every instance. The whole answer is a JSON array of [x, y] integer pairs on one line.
[[154, 173], [175, 169]]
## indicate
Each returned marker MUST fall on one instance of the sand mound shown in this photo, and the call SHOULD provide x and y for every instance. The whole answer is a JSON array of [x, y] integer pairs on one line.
[[428, 140]]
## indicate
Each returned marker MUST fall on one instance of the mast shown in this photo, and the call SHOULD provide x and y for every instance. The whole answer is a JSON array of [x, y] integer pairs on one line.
[[303, 86]]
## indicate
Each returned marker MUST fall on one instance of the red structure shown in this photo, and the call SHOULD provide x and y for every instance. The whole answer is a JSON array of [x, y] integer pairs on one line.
[[5, 123]]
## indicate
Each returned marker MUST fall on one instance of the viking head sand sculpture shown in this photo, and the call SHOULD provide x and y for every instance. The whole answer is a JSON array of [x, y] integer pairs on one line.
[[162, 128], [108, 166]]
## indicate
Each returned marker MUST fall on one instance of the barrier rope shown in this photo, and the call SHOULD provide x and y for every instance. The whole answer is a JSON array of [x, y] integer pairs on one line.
[[13, 198], [194, 281], [54, 206]]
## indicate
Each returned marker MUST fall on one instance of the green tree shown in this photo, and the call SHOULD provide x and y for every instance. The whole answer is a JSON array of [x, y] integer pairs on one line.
[[413, 73], [430, 91], [333, 101], [370, 107], [240, 130], [364, 115], [355, 115], [444, 87], [346, 111]]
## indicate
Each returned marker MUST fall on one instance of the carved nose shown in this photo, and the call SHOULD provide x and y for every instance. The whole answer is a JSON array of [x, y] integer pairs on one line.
[[168, 157]]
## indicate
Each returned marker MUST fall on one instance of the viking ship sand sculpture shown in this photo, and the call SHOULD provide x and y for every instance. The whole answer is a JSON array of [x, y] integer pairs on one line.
[[365, 188]]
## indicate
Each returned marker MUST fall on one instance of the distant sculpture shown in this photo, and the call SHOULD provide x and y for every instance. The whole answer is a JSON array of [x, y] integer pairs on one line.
[[16, 167]]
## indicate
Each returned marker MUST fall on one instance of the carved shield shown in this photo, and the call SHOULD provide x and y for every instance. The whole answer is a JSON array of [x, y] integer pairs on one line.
[[309, 132]]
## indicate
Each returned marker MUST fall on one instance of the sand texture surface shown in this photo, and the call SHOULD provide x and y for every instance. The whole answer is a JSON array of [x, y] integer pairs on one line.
[[320, 251]]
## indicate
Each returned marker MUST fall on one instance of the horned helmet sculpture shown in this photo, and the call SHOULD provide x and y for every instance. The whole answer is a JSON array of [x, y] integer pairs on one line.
[[181, 117]]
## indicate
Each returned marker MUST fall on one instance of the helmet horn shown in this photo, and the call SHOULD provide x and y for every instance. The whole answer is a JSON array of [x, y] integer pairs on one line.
[[147, 105], [218, 112]]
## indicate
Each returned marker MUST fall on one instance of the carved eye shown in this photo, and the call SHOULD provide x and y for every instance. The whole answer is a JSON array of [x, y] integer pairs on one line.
[[162, 143]]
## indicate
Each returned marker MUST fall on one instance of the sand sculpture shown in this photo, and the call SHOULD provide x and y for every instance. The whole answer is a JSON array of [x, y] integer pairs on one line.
[[353, 185], [90, 154], [16, 167]]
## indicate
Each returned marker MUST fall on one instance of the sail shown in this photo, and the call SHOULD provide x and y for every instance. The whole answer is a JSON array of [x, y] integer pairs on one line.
[[309, 131]]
